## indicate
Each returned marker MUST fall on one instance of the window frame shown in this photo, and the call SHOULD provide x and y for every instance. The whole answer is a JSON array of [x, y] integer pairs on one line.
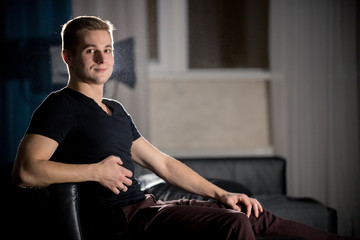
[[173, 45]]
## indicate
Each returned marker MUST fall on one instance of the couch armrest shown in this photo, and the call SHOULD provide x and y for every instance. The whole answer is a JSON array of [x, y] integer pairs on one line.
[[64, 205]]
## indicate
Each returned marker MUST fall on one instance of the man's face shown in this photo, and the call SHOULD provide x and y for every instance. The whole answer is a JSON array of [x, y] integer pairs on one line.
[[93, 59]]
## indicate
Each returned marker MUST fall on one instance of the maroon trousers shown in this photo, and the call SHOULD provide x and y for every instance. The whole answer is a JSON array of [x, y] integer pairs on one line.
[[193, 219]]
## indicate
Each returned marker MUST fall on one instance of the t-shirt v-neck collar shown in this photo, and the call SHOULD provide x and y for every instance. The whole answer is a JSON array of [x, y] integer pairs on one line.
[[84, 98]]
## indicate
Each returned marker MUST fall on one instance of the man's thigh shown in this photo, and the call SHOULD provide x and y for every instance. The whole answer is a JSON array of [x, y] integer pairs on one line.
[[191, 219]]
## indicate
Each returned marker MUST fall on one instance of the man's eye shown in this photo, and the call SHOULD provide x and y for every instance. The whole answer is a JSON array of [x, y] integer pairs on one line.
[[108, 50], [90, 51]]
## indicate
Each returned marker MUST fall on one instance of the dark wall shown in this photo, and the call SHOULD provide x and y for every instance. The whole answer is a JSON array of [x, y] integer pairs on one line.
[[28, 29]]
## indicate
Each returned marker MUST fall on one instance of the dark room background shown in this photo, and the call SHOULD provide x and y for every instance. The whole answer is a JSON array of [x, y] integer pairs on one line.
[[28, 30]]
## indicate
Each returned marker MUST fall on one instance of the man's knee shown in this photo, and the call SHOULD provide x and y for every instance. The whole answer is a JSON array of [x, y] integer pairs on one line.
[[236, 225], [239, 220]]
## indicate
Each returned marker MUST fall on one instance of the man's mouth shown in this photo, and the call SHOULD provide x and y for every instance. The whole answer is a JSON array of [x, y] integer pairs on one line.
[[100, 69]]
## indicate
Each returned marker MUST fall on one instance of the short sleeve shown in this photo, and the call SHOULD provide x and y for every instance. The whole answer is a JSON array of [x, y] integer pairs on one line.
[[53, 118], [135, 132], [117, 105]]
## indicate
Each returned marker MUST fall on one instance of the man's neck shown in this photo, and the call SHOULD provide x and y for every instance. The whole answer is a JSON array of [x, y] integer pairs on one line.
[[93, 91]]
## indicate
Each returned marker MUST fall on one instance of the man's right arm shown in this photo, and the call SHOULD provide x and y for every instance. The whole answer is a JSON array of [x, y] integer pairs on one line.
[[33, 168]]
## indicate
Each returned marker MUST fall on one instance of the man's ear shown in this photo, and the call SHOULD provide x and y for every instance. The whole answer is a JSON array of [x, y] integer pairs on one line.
[[66, 55]]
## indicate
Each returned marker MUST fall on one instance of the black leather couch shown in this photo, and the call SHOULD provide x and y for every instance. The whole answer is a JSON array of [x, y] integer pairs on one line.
[[262, 177], [53, 212]]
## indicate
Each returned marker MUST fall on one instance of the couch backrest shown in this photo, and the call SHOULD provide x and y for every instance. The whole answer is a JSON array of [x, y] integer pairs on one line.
[[261, 175]]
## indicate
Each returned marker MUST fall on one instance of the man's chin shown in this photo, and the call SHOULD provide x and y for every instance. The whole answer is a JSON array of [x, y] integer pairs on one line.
[[101, 79]]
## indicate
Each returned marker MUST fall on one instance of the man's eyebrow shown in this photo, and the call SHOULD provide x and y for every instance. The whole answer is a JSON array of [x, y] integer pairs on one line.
[[93, 45]]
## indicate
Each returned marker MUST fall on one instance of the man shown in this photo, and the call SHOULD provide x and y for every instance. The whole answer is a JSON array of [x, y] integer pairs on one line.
[[76, 135]]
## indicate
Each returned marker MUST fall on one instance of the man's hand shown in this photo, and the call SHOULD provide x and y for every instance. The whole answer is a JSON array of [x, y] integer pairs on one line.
[[234, 199], [113, 175]]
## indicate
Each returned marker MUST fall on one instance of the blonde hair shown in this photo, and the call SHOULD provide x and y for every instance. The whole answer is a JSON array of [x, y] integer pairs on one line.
[[73, 26]]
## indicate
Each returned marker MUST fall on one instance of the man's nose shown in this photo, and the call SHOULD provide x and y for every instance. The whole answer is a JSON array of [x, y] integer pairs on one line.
[[98, 57]]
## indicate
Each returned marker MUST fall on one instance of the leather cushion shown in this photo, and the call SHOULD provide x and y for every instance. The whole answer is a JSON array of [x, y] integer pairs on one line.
[[165, 192], [64, 198]]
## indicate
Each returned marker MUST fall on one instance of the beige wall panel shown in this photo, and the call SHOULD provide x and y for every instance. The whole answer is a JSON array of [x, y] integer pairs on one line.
[[209, 117]]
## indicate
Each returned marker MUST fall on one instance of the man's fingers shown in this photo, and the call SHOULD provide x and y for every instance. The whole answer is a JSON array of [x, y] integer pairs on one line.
[[259, 206], [116, 159], [235, 207], [114, 176], [125, 179], [256, 210], [248, 210], [250, 204], [123, 188], [127, 182], [127, 172], [115, 190]]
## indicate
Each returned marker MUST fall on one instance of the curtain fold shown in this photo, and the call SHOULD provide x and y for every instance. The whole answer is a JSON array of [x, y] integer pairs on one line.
[[315, 102]]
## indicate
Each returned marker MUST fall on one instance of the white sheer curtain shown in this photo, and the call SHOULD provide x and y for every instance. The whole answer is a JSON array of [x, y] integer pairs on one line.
[[129, 18], [315, 102]]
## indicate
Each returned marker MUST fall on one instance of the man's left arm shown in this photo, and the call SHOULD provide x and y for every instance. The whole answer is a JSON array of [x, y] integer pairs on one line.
[[180, 175]]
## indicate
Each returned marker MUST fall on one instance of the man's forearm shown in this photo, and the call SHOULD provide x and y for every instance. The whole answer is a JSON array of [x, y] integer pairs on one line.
[[182, 176], [172, 170], [42, 173]]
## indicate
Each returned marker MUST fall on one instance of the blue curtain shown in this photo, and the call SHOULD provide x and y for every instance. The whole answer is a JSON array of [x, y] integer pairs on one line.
[[28, 29]]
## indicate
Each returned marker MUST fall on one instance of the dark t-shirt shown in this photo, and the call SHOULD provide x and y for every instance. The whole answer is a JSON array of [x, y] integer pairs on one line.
[[86, 134]]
